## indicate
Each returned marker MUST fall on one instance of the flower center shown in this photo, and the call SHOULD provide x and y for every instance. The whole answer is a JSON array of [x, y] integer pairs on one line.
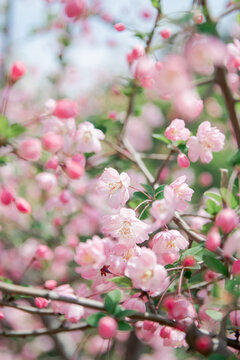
[[147, 275], [115, 186]]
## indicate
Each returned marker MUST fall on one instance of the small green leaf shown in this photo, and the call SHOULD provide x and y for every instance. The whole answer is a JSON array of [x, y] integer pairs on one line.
[[215, 265], [149, 189], [156, 4], [162, 138], [214, 196], [15, 130], [93, 319], [139, 195], [3, 160], [124, 326], [3, 126], [111, 300], [122, 281], [212, 208], [207, 28]]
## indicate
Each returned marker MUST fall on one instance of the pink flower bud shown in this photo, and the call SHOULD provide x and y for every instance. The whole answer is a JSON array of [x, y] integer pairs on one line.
[[119, 27], [210, 275], [73, 169], [189, 261], [30, 149], [52, 142], [17, 71], [138, 51], [46, 181], [203, 344], [52, 163], [6, 197], [2, 316], [150, 325], [41, 302], [236, 267], [165, 332], [107, 327], [165, 33], [43, 252], [23, 206], [112, 115], [72, 240], [75, 8], [169, 302], [65, 196], [50, 284], [213, 239], [79, 158], [183, 161], [227, 220], [65, 109]]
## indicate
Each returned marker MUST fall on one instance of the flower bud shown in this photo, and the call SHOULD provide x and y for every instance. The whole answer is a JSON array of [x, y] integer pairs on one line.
[[203, 344], [30, 149], [227, 220], [189, 261], [6, 197], [65, 109], [52, 142], [50, 284], [23, 206], [213, 239], [183, 161], [119, 27], [17, 71], [73, 169], [41, 302], [165, 33], [52, 163], [236, 267], [107, 327], [165, 332]]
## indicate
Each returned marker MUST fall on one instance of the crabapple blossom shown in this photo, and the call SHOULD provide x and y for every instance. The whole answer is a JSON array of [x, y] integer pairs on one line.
[[17, 71], [235, 317], [182, 193], [182, 310], [91, 257], [114, 186], [183, 161], [189, 261], [144, 72], [198, 17], [167, 245], [234, 50], [163, 210], [227, 220], [177, 131], [213, 239], [43, 252], [88, 138], [75, 8], [30, 149], [6, 196], [52, 142], [50, 284], [107, 327], [23, 205], [236, 267], [73, 169], [145, 273], [126, 227], [208, 140], [46, 181], [165, 33], [134, 304], [232, 244], [41, 303], [188, 104], [52, 163], [65, 109], [119, 27]]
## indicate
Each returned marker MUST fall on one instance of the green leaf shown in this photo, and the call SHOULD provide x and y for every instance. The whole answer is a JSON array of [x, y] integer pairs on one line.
[[215, 291], [126, 313], [207, 28], [139, 195], [3, 160], [234, 159], [93, 319], [149, 189], [124, 326], [226, 195], [214, 196], [122, 281], [156, 4], [15, 130], [212, 208], [162, 138], [215, 265], [220, 357], [214, 314], [159, 192], [111, 300], [3, 126]]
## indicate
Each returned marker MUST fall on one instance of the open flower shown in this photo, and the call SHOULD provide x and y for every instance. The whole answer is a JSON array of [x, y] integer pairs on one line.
[[182, 193], [88, 138], [208, 140], [114, 186]]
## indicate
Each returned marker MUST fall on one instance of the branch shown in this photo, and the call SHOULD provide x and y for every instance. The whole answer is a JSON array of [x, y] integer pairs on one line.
[[229, 101]]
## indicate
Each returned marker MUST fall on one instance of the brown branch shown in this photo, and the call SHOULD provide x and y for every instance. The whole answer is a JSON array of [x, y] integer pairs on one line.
[[28, 309], [162, 167], [229, 101]]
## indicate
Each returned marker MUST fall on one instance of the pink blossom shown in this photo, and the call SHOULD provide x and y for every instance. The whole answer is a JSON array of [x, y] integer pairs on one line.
[[208, 140], [144, 72], [163, 210], [91, 257], [145, 273], [46, 181], [126, 227], [235, 318], [65, 109], [204, 53], [167, 245], [183, 161], [30, 149], [52, 142], [232, 244], [88, 138], [182, 309], [234, 50], [188, 104], [114, 186], [182, 193], [107, 327], [177, 131], [17, 71], [119, 27], [227, 220], [136, 304], [75, 8]]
